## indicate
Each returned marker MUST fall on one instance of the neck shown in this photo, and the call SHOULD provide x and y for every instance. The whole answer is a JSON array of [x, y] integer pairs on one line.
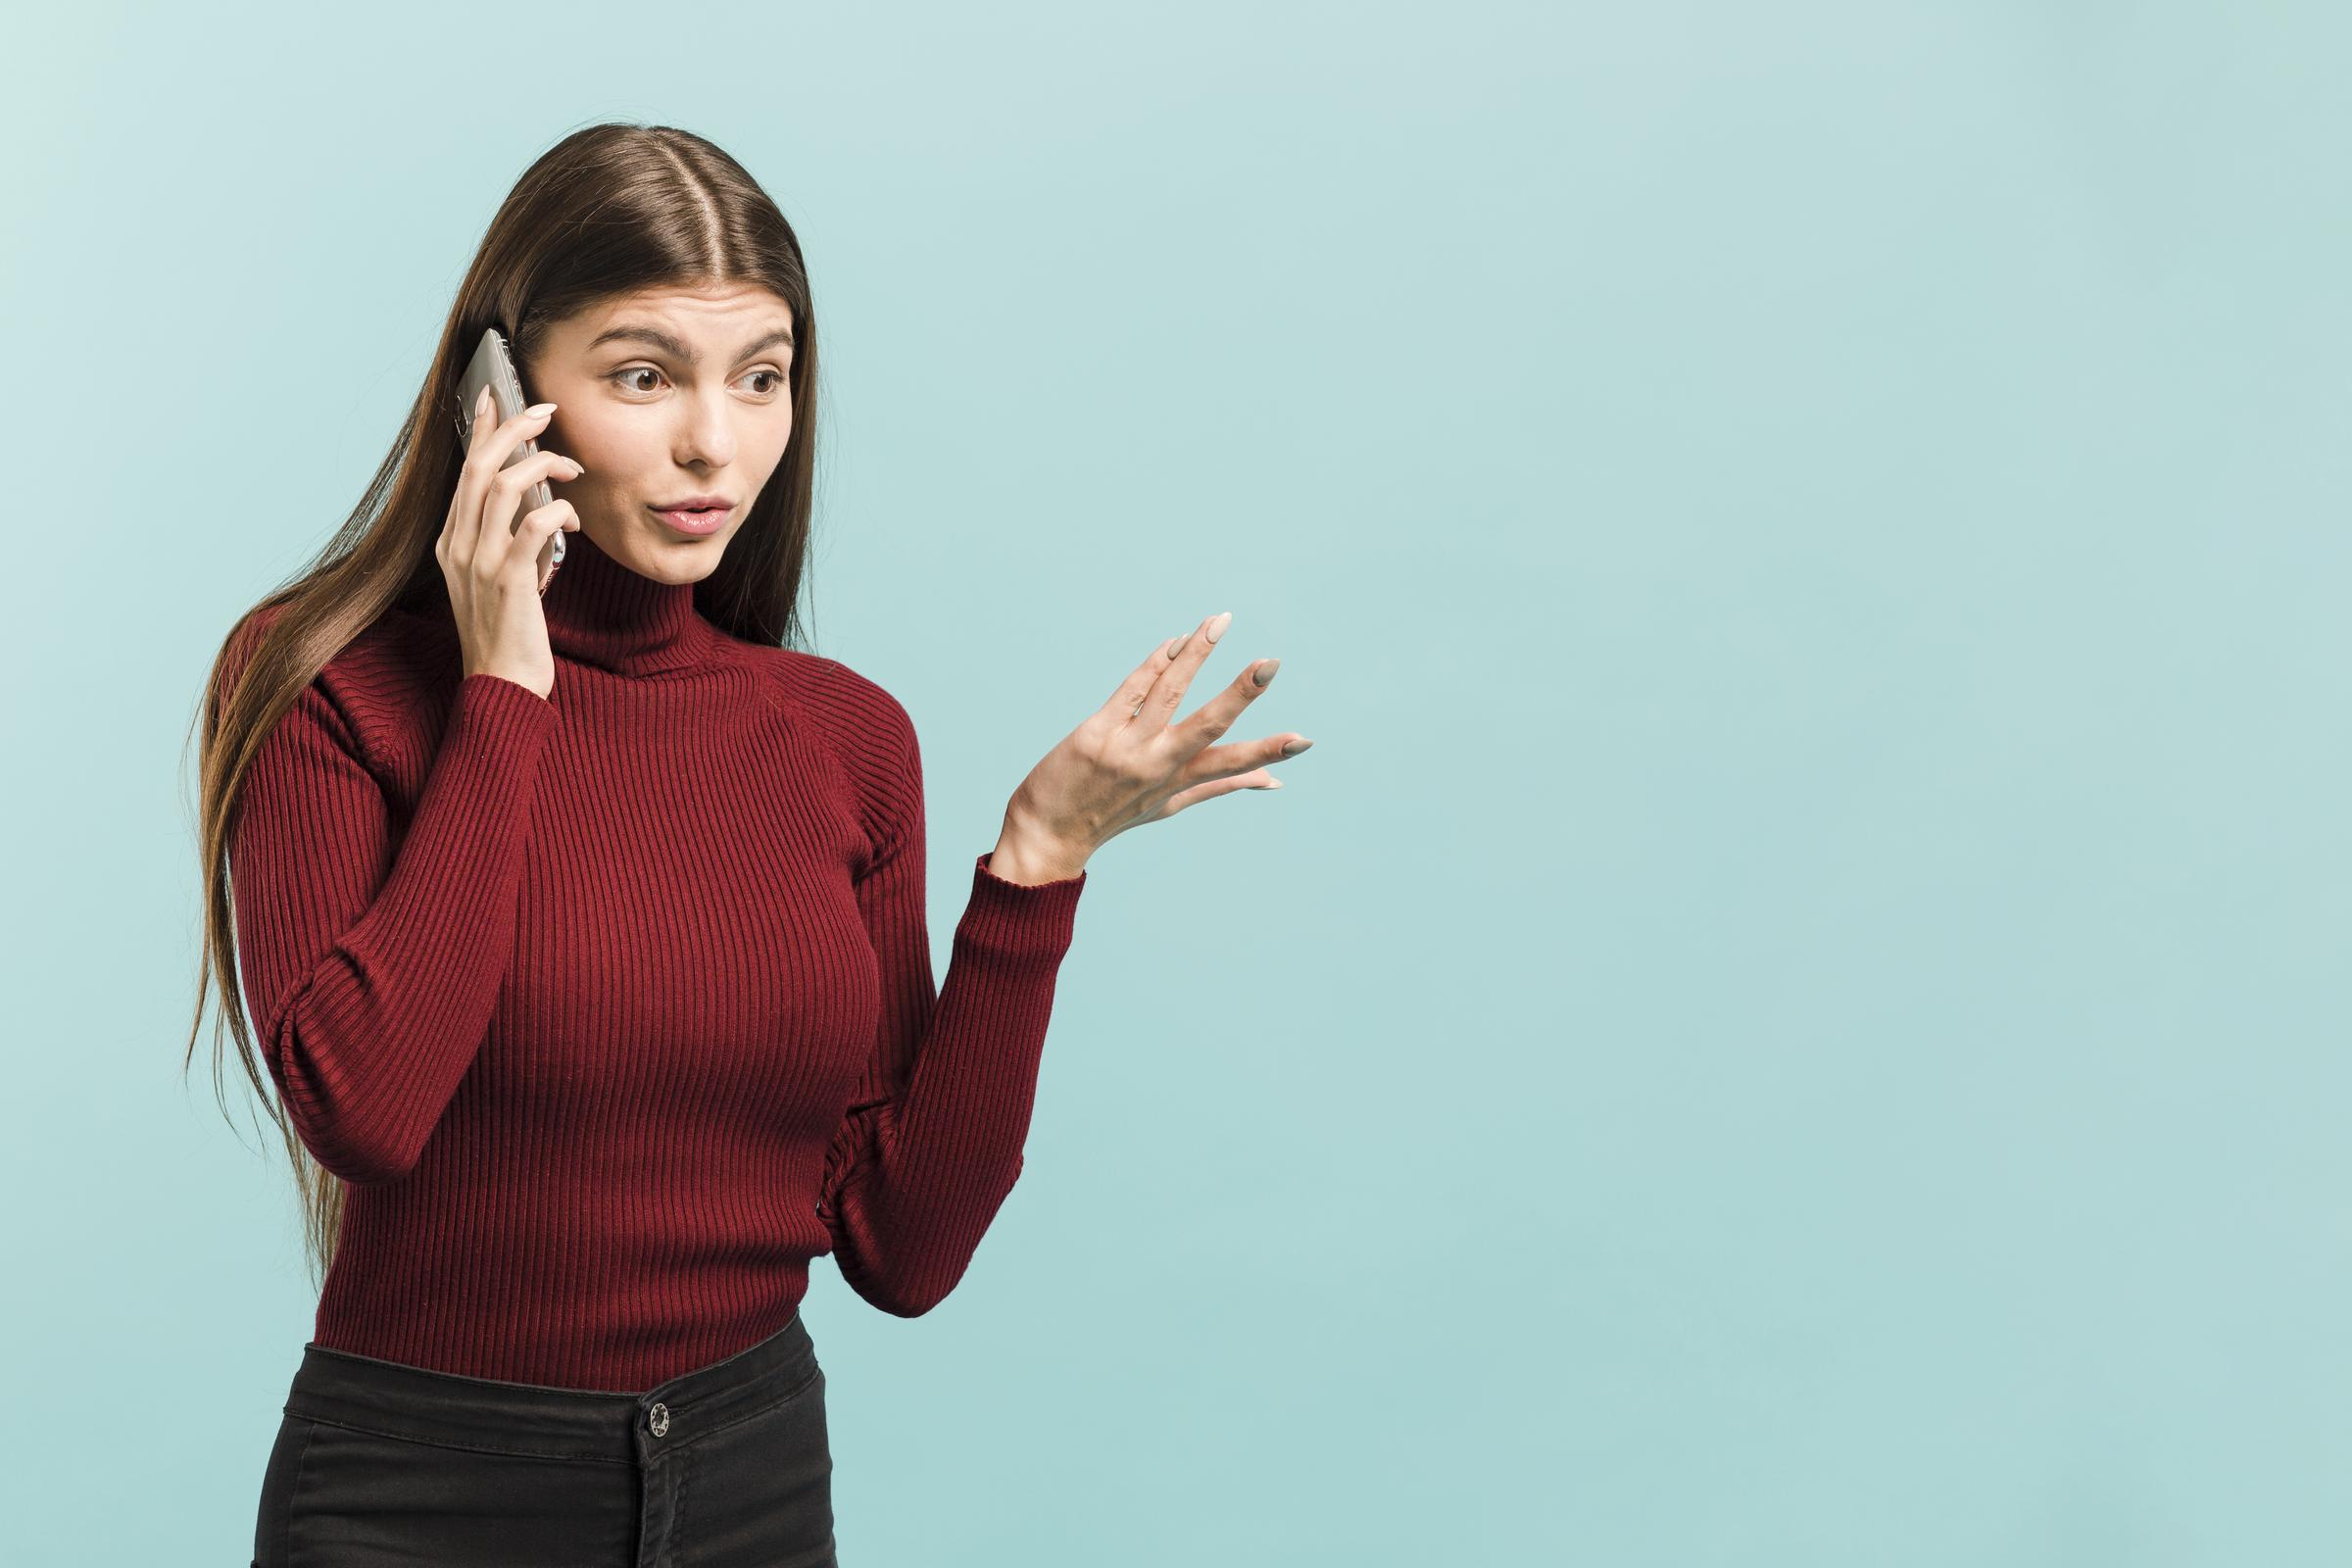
[[601, 612]]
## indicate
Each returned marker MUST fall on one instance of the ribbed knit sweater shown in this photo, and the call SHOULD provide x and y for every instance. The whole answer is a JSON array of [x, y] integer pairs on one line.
[[615, 1007]]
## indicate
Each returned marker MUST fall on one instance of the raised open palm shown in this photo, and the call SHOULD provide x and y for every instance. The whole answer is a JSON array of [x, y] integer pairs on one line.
[[1131, 763]]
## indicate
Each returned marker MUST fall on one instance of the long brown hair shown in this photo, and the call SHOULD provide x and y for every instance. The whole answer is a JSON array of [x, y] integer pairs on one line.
[[609, 210]]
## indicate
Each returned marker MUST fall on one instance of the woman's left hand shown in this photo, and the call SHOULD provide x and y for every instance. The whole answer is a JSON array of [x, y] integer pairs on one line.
[[1128, 763]]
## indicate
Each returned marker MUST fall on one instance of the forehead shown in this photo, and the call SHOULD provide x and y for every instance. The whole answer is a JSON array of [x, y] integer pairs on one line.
[[720, 317]]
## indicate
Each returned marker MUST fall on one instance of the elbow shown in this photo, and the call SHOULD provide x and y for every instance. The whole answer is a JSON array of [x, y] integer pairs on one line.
[[363, 1169], [908, 1270], [892, 1282], [896, 1299], [908, 1284], [353, 1153], [899, 1291], [354, 1161]]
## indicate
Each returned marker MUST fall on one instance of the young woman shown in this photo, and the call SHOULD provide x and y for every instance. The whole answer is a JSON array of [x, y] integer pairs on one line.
[[582, 927]]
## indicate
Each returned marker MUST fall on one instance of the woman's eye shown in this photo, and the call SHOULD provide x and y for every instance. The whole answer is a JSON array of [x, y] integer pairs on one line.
[[626, 377]]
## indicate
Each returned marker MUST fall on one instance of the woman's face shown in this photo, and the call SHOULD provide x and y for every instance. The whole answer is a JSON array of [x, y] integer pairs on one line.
[[663, 396]]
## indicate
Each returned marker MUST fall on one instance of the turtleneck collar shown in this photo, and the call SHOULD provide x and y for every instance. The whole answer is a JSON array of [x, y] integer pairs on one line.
[[601, 612]]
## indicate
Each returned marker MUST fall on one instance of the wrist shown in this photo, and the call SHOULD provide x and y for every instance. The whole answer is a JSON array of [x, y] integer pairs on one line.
[[1026, 854]]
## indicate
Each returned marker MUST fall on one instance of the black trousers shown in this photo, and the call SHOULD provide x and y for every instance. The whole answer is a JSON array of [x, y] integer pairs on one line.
[[379, 1463]]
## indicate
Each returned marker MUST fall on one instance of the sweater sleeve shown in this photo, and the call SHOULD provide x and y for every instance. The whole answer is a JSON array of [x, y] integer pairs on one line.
[[372, 959], [932, 1143]]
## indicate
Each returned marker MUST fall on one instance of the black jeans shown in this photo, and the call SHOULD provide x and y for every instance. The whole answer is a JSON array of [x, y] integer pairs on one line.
[[379, 1463]]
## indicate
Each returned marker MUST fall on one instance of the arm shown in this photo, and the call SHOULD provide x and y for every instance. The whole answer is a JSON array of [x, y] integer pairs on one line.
[[371, 969], [932, 1143]]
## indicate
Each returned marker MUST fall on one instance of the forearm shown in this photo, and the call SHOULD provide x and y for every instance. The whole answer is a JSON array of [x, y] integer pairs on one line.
[[919, 1177]]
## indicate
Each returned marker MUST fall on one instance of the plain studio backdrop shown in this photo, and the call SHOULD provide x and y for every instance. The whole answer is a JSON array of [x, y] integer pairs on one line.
[[1796, 1012]]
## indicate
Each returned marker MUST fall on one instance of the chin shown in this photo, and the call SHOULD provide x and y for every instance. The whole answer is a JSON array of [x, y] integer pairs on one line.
[[688, 560]]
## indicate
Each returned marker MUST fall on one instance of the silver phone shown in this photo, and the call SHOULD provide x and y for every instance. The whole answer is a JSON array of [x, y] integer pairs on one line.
[[493, 366]]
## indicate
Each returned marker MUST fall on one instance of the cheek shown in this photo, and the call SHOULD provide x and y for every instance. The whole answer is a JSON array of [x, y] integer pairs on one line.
[[606, 448]]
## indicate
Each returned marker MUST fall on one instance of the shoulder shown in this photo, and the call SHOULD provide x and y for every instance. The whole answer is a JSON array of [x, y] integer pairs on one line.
[[392, 682], [865, 728], [870, 727]]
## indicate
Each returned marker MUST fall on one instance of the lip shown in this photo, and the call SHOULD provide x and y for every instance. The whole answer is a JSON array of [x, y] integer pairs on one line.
[[698, 519], [697, 504]]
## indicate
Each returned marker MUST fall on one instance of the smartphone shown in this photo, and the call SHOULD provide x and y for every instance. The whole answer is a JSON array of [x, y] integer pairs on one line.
[[493, 366]]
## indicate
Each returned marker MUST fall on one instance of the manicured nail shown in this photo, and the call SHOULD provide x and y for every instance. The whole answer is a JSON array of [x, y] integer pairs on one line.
[[1264, 673], [1217, 624], [539, 411], [1294, 748]]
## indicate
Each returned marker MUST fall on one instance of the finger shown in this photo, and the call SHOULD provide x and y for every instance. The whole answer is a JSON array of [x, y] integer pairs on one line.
[[530, 539], [474, 477], [1122, 703], [1219, 713], [1167, 690], [463, 526], [1224, 762], [485, 467], [503, 491], [1258, 779], [499, 522]]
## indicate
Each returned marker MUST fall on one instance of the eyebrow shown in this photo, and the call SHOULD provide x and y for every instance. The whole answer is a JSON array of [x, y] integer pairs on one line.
[[679, 350]]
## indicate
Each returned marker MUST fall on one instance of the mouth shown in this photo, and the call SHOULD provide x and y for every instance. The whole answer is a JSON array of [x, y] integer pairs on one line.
[[696, 516]]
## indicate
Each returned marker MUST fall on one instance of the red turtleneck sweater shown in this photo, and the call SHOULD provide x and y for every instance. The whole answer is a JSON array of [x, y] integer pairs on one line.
[[613, 1008]]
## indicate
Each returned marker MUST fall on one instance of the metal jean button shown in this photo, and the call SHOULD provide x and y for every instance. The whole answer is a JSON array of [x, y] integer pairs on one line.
[[657, 1418]]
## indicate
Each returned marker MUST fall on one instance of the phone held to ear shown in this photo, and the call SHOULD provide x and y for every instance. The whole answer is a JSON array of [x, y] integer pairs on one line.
[[493, 366]]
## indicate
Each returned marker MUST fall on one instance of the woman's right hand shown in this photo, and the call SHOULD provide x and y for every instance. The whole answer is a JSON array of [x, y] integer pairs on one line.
[[491, 563]]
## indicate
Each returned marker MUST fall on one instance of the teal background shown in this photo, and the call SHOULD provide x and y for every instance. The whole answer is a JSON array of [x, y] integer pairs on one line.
[[1796, 1012]]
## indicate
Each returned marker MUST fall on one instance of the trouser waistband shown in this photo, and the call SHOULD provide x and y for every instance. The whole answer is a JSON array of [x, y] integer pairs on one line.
[[399, 1400]]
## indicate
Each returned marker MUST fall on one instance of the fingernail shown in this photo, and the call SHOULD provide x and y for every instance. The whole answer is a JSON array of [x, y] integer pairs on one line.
[[539, 411], [1217, 624], [1264, 673], [574, 464], [481, 405], [1294, 748]]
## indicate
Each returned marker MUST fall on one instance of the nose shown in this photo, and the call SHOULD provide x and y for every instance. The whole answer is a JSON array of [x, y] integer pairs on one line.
[[710, 435]]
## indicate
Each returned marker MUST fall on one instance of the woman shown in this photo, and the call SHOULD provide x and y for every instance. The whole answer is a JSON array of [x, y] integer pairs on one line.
[[581, 920]]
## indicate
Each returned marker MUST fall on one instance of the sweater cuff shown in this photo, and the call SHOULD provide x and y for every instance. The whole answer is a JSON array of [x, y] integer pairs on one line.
[[1032, 920], [503, 713]]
